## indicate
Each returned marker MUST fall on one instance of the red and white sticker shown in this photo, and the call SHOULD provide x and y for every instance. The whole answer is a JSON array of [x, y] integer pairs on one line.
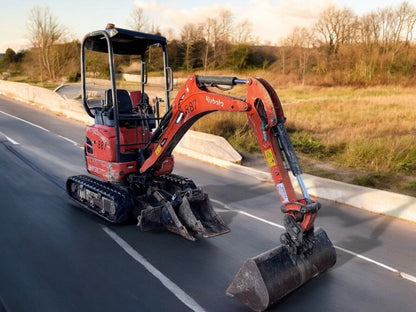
[[282, 192]]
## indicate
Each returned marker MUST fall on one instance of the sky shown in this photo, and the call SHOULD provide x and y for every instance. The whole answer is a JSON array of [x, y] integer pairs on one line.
[[272, 20]]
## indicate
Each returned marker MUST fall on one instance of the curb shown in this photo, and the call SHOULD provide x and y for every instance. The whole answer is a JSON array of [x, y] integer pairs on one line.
[[373, 200]]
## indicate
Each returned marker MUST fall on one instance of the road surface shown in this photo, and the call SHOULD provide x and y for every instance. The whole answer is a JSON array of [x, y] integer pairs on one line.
[[57, 257]]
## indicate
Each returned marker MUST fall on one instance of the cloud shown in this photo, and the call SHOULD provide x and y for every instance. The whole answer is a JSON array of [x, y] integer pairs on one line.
[[149, 6], [271, 19], [274, 20], [17, 45]]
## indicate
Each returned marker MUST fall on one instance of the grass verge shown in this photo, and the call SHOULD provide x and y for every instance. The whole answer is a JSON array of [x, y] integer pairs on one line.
[[365, 136]]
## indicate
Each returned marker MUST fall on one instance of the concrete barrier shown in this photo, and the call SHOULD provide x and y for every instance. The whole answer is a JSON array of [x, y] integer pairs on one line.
[[200, 145], [207, 147], [377, 201], [216, 150], [45, 99]]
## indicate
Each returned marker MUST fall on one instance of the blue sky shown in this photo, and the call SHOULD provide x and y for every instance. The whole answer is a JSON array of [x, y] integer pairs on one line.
[[271, 19]]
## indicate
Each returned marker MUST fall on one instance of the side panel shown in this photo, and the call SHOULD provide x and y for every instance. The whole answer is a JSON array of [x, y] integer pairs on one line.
[[110, 171], [100, 151], [101, 141]]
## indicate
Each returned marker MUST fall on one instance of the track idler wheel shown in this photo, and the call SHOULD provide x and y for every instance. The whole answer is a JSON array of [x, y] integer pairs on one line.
[[266, 278]]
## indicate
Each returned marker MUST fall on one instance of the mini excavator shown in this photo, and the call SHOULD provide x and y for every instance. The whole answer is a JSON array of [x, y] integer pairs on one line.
[[128, 152]]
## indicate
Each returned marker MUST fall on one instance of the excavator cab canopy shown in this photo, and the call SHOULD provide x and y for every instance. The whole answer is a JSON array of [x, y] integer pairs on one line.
[[125, 49], [130, 54], [124, 41]]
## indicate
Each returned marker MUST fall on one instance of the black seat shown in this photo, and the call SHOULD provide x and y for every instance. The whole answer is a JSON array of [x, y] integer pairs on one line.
[[125, 104], [105, 116]]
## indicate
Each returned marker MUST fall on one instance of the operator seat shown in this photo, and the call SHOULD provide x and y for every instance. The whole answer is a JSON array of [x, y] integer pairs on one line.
[[127, 117], [125, 104]]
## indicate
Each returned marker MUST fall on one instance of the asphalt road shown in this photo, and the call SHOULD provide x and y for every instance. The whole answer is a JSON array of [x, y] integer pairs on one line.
[[56, 257]]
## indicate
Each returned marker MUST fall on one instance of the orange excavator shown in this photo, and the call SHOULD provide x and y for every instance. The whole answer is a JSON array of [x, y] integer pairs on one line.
[[128, 153]]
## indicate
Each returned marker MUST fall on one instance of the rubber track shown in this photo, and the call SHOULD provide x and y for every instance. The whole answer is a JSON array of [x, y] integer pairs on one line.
[[179, 181], [122, 199]]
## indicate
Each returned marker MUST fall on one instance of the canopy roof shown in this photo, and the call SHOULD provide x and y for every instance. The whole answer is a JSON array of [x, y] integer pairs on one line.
[[126, 42]]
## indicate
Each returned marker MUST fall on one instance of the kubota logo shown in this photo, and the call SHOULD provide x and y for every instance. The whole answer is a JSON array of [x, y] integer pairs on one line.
[[213, 101]]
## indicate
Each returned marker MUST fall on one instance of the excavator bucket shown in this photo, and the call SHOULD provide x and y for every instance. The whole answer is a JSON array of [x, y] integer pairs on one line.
[[266, 278]]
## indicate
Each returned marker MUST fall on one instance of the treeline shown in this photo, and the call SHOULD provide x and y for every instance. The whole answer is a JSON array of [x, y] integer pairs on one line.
[[341, 48]]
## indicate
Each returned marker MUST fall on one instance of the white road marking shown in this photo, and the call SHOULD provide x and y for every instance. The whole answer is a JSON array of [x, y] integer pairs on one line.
[[28, 122], [69, 140], [406, 276], [9, 139], [247, 214], [173, 288], [42, 128]]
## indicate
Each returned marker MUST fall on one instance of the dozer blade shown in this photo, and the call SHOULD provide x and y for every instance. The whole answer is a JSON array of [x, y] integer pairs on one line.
[[199, 205], [190, 215], [266, 278]]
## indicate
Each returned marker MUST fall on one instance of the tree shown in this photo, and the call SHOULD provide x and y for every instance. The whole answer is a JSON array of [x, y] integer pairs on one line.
[[397, 26], [9, 57], [190, 34], [239, 56], [217, 33], [300, 41], [44, 31], [335, 28], [243, 32], [7, 60], [139, 21]]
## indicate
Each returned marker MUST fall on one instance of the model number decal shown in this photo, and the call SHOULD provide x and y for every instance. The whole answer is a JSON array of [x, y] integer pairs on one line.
[[188, 108]]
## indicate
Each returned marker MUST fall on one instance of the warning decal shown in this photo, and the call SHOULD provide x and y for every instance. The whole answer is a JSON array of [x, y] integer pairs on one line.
[[158, 149], [268, 154]]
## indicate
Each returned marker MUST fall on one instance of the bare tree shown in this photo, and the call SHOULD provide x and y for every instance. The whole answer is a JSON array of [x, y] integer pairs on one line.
[[243, 32], [397, 26], [336, 27], [369, 30], [190, 33], [138, 20], [300, 41], [217, 32], [44, 31]]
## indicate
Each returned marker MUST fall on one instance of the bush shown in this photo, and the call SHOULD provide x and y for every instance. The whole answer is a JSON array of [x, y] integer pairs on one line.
[[74, 77]]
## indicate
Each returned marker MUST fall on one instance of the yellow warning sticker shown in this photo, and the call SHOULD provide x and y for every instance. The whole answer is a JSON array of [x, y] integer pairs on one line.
[[158, 149], [269, 157]]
